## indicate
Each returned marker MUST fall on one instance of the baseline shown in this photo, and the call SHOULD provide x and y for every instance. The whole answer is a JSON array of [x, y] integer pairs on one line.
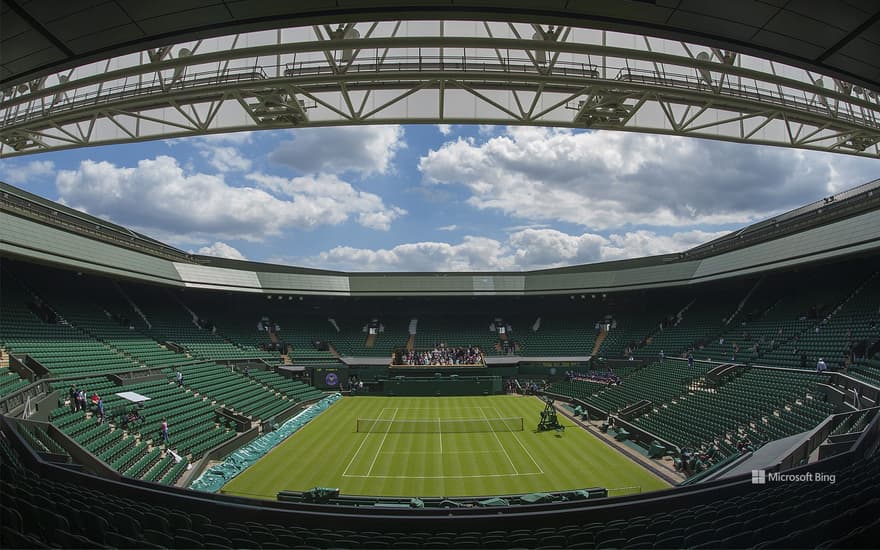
[[443, 476]]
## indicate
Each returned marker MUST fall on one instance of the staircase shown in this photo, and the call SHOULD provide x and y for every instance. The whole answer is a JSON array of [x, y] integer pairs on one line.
[[413, 326], [371, 340], [133, 305], [745, 299], [853, 294], [193, 315], [599, 339], [333, 322], [680, 315], [285, 355]]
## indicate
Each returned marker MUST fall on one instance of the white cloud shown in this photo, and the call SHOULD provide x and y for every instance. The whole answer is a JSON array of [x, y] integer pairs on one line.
[[523, 250], [225, 158], [544, 248], [238, 138], [331, 200], [541, 248], [637, 244], [605, 180], [444, 129], [223, 151], [159, 197], [380, 220], [451, 227], [337, 150], [221, 250], [472, 254], [18, 174]]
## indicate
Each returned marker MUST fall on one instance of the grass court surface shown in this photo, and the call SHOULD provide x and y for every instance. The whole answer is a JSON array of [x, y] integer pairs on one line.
[[329, 452]]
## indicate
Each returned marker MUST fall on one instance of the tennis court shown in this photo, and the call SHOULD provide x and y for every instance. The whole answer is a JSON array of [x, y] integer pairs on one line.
[[439, 446]]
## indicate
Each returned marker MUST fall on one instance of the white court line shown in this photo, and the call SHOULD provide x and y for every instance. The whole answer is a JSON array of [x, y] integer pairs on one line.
[[440, 431], [540, 470], [381, 443], [442, 477], [435, 452], [432, 408], [515, 471], [356, 453]]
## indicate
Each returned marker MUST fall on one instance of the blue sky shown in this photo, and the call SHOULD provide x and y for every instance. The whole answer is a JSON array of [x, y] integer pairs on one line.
[[429, 197]]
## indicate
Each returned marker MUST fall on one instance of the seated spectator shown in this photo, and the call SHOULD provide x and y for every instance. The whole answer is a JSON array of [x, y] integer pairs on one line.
[[442, 355]]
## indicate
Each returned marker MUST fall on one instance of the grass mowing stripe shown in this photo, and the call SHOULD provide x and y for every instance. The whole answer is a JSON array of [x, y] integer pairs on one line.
[[382, 443], [498, 439], [515, 438], [471, 464]]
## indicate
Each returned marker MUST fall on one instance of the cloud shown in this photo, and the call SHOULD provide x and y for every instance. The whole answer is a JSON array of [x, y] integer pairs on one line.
[[225, 158], [223, 151], [604, 180], [472, 254], [637, 244], [221, 250], [237, 138], [444, 129], [18, 174], [542, 248], [159, 197], [527, 249], [332, 200], [451, 227], [360, 149]]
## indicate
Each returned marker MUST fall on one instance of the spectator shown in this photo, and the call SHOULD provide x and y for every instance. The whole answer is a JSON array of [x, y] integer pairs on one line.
[[100, 411], [821, 366], [662, 356], [81, 400], [441, 355], [132, 417], [690, 358], [604, 377], [179, 377], [73, 403], [165, 432]]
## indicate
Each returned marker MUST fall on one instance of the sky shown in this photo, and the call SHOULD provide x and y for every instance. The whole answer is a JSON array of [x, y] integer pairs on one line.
[[435, 197]]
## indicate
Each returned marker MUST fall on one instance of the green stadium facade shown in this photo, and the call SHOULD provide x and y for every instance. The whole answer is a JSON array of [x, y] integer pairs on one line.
[[709, 356]]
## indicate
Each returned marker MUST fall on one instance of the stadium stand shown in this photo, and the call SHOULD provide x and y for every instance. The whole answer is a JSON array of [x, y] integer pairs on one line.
[[41, 510], [9, 381], [171, 320], [759, 404], [105, 337], [51, 339]]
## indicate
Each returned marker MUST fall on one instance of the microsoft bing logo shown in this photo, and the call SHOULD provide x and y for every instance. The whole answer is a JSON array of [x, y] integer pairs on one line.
[[761, 477]]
